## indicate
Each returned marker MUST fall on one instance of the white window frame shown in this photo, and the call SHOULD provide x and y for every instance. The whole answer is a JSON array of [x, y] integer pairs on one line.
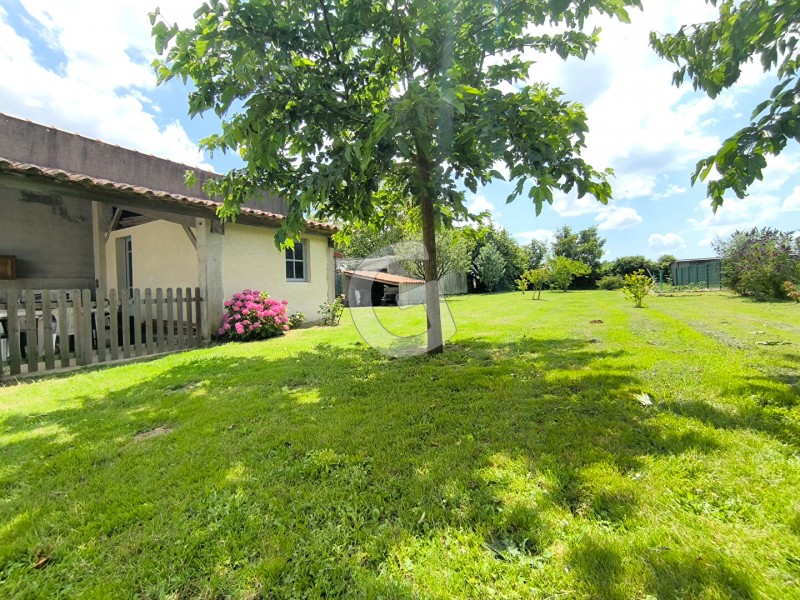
[[304, 261]]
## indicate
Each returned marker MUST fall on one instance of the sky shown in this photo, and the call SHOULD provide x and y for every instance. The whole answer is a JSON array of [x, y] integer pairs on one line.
[[84, 66]]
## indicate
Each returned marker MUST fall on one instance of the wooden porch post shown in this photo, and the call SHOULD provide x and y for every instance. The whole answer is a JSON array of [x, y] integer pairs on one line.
[[209, 273], [101, 216]]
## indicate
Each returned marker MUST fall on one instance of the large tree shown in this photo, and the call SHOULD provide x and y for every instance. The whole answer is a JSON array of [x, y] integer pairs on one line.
[[712, 54], [584, 246], [331, 102]]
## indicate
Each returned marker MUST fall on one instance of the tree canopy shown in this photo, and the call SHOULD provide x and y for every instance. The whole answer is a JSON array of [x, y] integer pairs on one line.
[[584, 246], [332, 103], [712, 55]]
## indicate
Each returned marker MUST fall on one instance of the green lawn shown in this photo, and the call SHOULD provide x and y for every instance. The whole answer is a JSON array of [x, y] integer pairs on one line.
[[517, 465]]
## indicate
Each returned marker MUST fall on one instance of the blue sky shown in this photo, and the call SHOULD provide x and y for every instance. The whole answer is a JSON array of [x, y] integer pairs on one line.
[[84, 66]]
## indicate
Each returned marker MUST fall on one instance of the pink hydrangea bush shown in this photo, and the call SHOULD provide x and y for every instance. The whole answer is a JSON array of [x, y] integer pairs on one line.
[[253, 315]]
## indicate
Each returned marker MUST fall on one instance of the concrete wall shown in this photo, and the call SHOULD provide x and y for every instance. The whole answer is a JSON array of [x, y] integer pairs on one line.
[[31, 143], [51, 236], [163, 256], [250, 260]]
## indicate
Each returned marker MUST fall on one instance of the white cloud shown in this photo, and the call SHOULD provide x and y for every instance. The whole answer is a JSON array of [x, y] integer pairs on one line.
[[569, 205], [480, 204], [99, 88], [663, 242], [672, 190], [634, 185], [615, 217], [792, 202], [543, 235]]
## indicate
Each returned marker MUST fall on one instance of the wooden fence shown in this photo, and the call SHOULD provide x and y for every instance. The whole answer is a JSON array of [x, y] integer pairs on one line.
[[44, 330]]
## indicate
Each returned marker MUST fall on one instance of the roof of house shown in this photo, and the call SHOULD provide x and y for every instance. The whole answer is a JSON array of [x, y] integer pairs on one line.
[[58, 175], [386, 278], [682, 260]]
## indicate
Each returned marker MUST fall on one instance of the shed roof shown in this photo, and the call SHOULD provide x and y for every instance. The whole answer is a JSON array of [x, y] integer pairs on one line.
[[386, 278], [58, 175]]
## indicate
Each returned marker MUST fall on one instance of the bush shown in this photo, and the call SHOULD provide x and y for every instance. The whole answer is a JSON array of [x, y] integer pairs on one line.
[[253, 315], [296, 319], [332, 311], [637, 286], [610, 282], [536, 278], [758, 262], [489, 267]]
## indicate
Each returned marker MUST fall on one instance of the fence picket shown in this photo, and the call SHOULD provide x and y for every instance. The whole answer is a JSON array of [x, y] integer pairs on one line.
[[148, 320], [113, 310], [14, 355], [170, 321], [63, 329], [86, 325], [189, 319], [100, 327], [48, 335], [77, 319], [160, 343], [179, 317], [137, 321], [31, 333], [125, 304], [198, 311]]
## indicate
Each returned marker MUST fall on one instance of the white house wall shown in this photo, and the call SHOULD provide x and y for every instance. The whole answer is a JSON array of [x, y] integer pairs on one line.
[[250, 260], [163, 256]]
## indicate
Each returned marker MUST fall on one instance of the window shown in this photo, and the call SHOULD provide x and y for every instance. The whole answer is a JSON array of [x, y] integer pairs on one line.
[[296, 262], [124, 264]]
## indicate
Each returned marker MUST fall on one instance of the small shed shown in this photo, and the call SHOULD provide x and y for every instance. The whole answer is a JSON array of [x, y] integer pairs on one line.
[[375, 288], [705, 272]]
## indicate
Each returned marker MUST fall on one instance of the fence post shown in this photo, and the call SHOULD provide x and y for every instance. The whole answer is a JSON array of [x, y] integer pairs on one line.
[[86, 325], [189, 318]]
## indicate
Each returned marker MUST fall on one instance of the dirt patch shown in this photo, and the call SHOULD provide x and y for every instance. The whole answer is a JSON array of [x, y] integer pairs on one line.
[[146, 435]]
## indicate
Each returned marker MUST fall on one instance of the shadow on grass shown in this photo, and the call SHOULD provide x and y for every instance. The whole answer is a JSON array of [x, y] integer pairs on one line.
[[337, 472]]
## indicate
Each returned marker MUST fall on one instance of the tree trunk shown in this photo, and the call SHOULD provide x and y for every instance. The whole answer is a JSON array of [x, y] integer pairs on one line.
[[435, 343]]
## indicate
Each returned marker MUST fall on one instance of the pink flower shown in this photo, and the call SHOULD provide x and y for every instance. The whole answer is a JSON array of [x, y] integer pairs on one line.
[[286, 328], [227, 327], [239, 328], [284, 302]]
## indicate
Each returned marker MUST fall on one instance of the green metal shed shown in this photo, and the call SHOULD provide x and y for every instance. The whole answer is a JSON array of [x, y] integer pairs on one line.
[[697, 271]]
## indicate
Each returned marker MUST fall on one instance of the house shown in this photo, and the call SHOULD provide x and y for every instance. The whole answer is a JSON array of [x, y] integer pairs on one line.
[[376, 288], [80, 213]]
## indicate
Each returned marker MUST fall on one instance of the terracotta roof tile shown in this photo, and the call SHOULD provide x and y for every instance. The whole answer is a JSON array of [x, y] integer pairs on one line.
[[387, 278], [168, 198]]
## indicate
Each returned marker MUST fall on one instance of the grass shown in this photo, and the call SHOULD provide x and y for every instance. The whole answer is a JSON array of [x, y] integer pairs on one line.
[[517, 465]]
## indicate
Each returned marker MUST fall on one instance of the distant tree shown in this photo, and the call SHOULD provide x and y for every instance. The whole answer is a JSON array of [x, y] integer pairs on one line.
[[453, 255], [585, 246], [537, 253], [514, 256], [625, 265], [758, 262], [363, 239], [712, 54], [664, 263], [489, 267], [564, 270]]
